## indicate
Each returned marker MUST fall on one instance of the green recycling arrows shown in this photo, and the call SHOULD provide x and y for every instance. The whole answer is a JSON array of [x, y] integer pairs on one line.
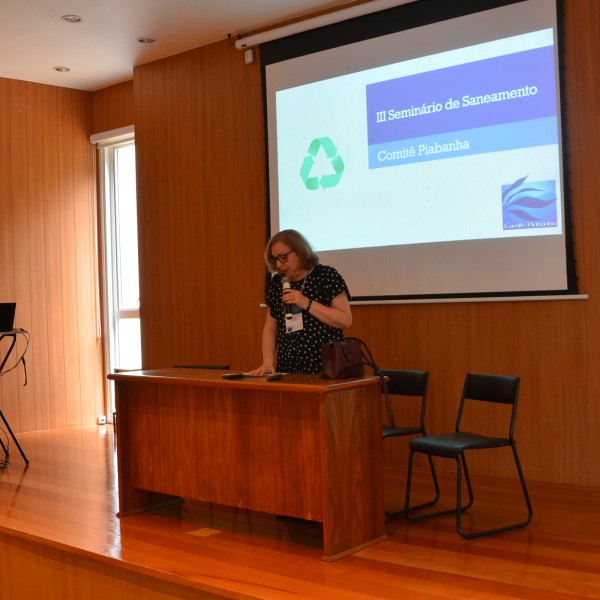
[[328, 180]]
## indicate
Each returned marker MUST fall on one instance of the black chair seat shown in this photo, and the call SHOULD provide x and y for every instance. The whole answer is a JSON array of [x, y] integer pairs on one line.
[[451, 445], [492, 389]]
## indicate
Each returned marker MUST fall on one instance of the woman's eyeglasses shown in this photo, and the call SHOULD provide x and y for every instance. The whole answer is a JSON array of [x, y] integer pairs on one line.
[[282, 258]]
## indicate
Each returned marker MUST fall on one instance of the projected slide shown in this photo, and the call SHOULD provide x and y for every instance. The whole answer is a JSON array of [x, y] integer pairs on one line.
[[458, 145]]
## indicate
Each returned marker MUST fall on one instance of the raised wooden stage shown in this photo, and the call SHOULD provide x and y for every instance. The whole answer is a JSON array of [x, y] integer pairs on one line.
[[60, 539]]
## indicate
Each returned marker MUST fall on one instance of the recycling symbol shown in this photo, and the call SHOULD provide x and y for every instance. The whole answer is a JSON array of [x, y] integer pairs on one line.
[[325, 180]]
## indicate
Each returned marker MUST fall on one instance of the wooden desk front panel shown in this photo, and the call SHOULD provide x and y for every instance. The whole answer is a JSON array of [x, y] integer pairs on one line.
[[253, 449]]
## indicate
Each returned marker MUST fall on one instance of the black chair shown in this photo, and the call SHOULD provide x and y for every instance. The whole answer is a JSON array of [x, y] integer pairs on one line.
[[498, 389], [413, 385]]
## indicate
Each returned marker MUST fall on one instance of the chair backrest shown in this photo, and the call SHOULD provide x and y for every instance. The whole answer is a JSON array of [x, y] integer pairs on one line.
[[406, 383], [500, 389]]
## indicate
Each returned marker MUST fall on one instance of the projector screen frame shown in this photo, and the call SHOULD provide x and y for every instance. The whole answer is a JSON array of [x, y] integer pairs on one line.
[[405, 17]]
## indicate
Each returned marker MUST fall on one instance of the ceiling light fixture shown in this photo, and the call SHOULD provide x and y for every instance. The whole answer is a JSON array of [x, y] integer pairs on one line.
[[146, 40], [62, 69], [72, 18]]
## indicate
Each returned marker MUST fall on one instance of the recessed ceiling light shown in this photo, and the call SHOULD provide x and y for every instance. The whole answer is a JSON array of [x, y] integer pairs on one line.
[[62, 69], [146, 40], [72, 18]]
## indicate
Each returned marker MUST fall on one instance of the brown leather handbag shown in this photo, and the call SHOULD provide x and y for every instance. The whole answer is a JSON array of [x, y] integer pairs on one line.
[[346, 359]]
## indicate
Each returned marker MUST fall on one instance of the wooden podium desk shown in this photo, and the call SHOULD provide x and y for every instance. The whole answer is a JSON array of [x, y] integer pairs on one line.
[[302, 447]]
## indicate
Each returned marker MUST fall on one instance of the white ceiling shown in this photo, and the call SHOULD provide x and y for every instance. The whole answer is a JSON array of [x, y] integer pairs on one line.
[[103, 48]]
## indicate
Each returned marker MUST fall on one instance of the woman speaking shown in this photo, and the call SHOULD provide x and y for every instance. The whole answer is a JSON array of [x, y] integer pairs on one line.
[[307, 306]]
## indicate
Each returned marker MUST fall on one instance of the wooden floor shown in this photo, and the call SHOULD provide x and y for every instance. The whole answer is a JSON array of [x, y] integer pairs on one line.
[[60, 538]]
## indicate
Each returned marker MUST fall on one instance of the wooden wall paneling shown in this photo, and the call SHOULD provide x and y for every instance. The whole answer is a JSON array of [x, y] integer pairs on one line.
[[583, 113], [530, 415], [225, 274], [172, 206], [6, 243], [163, 233], [550, 389], [90, 352], [575, 395], [112, 107], [27, 230], [21, 238], [53, 275], [156, 222], [250, 208], [590, 427], [43, 172], [363, 326], [22, 413], [395, 345], [144, 142], [68, 263], [255, 172], [582, 95], [231, 275], [414, 340], [199, 349], [185, 317], [207, 247], [503, 341], [37, 320], [19, 234], [202, 215], [572, 136], [7, 384]]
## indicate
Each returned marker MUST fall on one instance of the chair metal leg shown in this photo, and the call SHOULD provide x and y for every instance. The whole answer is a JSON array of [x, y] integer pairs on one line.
[[523, 487], [408, 508], [12, 435], [478, 534], [401, 513], [459, 508]]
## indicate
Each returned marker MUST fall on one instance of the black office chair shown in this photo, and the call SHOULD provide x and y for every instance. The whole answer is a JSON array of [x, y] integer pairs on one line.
[[497, 389], [413, 385]]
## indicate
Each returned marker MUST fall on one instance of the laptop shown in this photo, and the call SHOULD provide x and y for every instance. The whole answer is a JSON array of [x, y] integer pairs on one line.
[[7, 316]]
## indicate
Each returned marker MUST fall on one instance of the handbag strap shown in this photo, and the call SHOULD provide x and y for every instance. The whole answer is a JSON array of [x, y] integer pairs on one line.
[[367, 358], [366, 355]]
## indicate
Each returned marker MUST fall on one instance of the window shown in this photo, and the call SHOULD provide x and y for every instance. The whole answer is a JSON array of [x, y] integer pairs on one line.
[[119, 248], [124, 278]]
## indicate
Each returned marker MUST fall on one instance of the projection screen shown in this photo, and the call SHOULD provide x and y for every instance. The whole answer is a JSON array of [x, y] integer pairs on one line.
[[420, 149]]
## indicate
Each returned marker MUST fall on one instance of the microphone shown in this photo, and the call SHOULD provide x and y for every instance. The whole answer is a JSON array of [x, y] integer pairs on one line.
[[286, 284]]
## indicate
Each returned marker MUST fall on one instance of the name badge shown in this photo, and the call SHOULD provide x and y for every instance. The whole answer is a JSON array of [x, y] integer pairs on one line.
[[294, 321]]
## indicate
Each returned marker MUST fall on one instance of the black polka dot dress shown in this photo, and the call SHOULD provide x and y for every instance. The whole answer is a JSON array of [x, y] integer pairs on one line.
[[300, 351]]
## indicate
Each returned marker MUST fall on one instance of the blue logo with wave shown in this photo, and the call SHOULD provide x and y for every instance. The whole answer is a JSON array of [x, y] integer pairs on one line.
[[529, 205]]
